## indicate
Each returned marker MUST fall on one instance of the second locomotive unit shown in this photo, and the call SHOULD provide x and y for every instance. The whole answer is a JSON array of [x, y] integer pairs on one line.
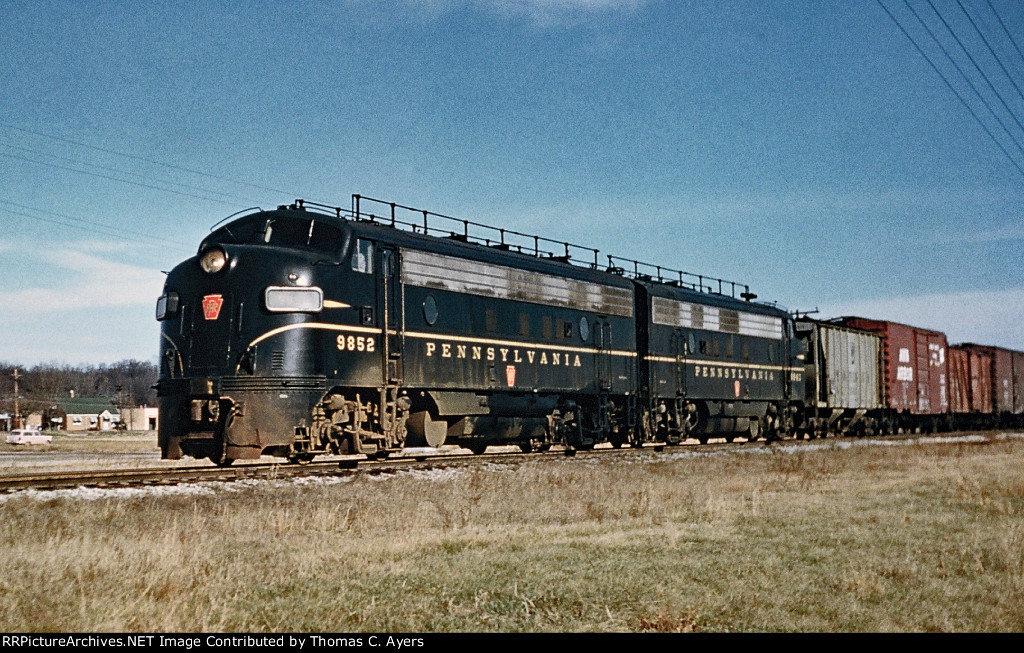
[[309, 329]]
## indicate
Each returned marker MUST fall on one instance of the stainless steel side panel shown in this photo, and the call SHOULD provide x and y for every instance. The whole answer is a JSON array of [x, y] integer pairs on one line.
[[850, 361]]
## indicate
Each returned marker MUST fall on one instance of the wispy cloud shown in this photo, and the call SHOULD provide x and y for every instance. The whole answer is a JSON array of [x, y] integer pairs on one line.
[[1006, 232], [985, 317], [562, 13], [541, 13], [887, 201], [97, 284]]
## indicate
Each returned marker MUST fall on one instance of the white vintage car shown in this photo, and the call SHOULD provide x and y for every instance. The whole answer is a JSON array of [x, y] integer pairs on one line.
[[28, 436]]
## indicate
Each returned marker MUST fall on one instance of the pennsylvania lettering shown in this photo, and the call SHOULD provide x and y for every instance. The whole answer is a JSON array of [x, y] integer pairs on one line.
[[503, 354]]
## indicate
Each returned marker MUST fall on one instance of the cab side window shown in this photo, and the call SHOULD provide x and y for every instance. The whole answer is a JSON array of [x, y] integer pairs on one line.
[[362, 256]]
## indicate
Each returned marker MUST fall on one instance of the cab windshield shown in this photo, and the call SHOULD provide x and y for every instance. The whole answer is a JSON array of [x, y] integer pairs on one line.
[[279, 232]]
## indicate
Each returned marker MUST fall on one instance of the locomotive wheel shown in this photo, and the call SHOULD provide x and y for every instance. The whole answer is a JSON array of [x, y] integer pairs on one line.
[[301, 459], [525, 447], [220, 461], [477, 449]]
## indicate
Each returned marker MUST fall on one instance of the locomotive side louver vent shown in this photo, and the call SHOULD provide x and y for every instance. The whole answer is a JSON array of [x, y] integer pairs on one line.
[[277, 361]]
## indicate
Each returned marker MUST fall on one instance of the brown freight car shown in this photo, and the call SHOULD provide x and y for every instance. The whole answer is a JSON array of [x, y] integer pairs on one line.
[[959, 380], [914, 369], [1018, 385], [1005, 384], [970, 387]]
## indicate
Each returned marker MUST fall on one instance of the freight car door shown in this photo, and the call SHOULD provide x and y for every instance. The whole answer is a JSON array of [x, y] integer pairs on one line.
[[389, 301]]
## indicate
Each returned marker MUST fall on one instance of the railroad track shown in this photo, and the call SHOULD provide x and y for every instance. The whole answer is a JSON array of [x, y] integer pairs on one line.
[[155, 476]]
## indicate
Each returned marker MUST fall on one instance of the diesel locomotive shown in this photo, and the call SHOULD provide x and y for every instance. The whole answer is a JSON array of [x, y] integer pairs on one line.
[[310, 329]]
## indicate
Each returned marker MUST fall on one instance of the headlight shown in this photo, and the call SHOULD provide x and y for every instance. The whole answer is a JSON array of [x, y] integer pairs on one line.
[[213, 260], [166, 306], [286, 299]]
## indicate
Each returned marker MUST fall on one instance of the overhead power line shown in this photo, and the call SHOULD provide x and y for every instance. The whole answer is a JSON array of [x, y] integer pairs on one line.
[[952, 88], [963, 74], [103, 176], [38, 156], [992, 50], [118, 171], [981, 72], [1006, 31], [92, 226], [170, 166]]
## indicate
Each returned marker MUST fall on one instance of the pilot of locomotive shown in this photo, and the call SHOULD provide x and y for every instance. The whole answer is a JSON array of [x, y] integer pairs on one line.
[[244, 324]]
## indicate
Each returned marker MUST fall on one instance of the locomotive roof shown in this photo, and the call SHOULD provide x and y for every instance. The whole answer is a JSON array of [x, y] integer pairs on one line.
[[474, 251], [507, 247], [451, 247], [714, 299]]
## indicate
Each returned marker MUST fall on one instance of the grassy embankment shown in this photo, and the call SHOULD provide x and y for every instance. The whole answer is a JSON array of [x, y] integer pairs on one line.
[[882, 538]]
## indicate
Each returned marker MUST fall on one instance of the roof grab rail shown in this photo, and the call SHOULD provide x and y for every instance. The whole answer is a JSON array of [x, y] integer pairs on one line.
[[467, 231]]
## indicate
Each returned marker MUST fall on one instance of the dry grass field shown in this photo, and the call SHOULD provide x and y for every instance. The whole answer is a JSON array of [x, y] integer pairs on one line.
[[106, 441], [908, 537]]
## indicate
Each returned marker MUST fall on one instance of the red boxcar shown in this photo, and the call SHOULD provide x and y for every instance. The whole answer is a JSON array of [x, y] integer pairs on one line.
[[981, 383], [914, 363], [970, 380], [1001, 366], [959, 368], [1018, 383]]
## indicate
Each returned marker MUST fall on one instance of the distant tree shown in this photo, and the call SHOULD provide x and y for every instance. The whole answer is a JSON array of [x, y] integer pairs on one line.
[[45, 384], [136, 379]]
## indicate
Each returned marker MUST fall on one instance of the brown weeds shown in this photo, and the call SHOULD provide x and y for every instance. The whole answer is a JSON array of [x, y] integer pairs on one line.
[[895, 538]]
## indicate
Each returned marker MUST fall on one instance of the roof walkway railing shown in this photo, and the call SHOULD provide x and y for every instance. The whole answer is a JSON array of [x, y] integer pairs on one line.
[[437, 224]]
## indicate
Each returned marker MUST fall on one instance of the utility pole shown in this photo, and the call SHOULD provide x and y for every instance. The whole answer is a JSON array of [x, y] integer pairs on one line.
[[17, 410], [120, 404]]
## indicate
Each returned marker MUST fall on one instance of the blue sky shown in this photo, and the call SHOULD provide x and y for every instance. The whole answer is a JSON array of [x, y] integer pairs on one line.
[[805, 148]]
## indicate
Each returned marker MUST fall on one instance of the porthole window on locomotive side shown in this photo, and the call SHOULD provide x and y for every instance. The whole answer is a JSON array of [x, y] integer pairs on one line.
[[584, 328], [430, 310], [362, 256], [690, 341]]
